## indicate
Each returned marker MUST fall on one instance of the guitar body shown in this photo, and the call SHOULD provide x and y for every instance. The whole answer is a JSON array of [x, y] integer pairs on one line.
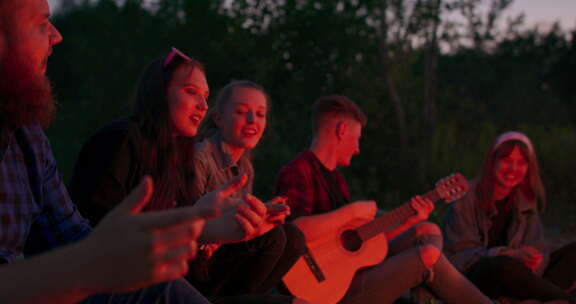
[[337, 264], [339, 244]]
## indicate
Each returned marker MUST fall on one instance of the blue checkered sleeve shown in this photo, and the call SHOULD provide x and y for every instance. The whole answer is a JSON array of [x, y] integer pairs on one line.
[[58, 221]]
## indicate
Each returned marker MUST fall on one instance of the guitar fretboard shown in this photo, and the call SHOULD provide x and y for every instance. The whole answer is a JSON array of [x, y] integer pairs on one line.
[[392, 218]]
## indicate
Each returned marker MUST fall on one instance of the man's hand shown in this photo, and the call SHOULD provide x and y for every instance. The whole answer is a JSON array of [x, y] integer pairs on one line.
[[129, 250], [528, 255], [423, 208]]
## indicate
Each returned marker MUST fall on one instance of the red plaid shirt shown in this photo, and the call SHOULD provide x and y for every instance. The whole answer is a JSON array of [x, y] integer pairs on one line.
[[302, 182]]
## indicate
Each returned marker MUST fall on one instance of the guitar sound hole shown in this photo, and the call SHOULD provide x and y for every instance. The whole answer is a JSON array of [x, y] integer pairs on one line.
[[351, 240]]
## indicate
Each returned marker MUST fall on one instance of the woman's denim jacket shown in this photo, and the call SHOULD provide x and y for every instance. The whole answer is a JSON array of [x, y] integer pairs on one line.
[[467, 226]]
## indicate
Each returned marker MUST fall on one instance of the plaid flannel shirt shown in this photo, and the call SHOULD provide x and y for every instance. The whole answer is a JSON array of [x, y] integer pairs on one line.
[[36, 213], [302, 182]]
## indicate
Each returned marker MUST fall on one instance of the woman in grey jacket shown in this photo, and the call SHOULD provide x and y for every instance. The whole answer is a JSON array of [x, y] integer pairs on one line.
[[494, 234]]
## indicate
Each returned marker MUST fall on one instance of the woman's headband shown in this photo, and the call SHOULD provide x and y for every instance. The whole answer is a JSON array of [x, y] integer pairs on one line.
[[513, 135]]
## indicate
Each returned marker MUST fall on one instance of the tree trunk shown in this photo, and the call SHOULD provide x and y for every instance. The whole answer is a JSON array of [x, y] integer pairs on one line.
[[430, 81], [388, 78]]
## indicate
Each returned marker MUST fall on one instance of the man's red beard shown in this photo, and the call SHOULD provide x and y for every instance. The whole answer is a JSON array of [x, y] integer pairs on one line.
[[25, 95]]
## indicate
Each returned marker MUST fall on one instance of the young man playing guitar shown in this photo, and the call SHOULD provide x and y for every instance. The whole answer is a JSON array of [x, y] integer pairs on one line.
[[318, 195]]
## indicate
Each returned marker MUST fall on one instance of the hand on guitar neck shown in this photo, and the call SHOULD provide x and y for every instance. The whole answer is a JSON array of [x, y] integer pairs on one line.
[[363, 211], [422, 206]]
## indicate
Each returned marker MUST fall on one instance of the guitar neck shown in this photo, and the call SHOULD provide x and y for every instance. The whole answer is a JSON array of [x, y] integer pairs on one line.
[[391, 219]]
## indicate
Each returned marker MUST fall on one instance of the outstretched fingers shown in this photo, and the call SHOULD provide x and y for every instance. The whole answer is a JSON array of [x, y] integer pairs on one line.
[[180, 234], [138, 197], [256, 205], [171, 271], [254, 218], [166, 218], [234, 185], [180, 253], [246, 225]]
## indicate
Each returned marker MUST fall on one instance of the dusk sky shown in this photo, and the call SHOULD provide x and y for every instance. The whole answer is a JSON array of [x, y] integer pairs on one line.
[[546, 12], [542, 12]]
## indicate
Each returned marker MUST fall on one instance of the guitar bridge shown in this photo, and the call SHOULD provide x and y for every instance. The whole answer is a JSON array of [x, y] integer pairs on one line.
[[311, 262]]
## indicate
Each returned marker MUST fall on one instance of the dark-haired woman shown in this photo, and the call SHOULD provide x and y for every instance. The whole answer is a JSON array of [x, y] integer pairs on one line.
[[494, 234], [158, 140]]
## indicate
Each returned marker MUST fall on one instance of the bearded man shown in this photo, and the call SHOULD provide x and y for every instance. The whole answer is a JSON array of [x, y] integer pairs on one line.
[[65, 262]]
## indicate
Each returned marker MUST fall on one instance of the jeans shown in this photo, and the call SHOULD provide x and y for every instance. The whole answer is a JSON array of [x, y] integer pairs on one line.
[[177, 292], [404, 269], [252, 267], [504, 276]]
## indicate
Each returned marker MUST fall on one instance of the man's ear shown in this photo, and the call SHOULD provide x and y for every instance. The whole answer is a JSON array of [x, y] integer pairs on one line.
[[341, 128]]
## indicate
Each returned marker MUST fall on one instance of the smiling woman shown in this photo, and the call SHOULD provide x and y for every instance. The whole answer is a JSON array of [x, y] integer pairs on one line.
[[243, 119], [156, 140], [236, 122], [494, 234], [234, 127], [186, 95]]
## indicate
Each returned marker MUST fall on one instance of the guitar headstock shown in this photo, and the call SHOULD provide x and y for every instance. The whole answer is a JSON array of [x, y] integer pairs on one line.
[[452, 187]]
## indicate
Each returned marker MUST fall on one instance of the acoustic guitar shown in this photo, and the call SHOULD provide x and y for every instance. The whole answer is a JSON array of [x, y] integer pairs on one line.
[[324, 273]]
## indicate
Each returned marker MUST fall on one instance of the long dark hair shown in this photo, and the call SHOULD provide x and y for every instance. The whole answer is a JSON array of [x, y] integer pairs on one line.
[[531, 186], [166, 158]]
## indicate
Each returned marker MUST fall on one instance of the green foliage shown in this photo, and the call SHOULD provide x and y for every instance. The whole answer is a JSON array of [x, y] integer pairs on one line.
[[300, 50]]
